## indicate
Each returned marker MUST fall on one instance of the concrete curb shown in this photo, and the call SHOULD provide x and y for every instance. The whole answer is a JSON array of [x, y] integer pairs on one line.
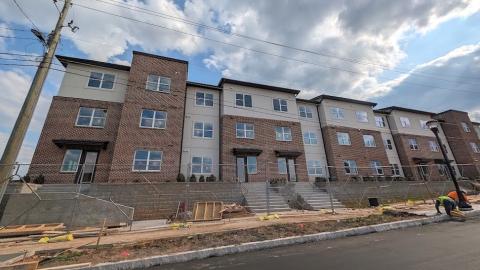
[[253, 246]]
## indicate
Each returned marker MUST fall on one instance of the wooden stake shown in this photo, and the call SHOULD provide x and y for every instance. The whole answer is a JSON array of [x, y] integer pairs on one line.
[[101, 232]]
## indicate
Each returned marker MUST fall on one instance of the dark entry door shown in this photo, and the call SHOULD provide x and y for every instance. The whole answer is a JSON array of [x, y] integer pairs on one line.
[[86, 171]]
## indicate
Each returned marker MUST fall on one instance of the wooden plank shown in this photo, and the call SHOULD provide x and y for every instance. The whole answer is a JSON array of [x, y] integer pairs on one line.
[[21, 266]]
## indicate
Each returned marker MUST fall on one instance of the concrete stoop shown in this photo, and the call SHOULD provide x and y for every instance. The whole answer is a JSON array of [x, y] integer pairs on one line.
[[315, 197], [256, 198]]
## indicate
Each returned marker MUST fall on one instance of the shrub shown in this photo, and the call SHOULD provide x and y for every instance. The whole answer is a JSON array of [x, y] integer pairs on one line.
[[278, 181], [40, 179], [26, 178], [201, 179], [211, 178], [193, 178], [180, 177]]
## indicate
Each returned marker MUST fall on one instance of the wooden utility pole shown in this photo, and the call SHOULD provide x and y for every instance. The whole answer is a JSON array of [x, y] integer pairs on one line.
[[25, 116]]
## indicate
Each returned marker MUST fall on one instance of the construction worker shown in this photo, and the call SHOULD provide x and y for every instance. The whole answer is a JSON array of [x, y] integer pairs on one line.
[[448, 203], [465, 205]]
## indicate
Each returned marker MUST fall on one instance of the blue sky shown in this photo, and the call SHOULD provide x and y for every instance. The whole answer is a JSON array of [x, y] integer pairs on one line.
[[405, 38]]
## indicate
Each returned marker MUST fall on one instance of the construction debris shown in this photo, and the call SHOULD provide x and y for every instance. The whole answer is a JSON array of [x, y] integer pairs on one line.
[[233, 208], [207, 211], [21, 230], [60, 238], [21, 266], [268, 217]]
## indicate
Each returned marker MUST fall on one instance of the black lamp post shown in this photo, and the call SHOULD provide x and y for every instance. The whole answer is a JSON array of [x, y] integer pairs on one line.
[[433, 126]]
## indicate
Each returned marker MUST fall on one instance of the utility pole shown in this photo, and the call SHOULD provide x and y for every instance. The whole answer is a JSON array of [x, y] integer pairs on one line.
[[25, 116]]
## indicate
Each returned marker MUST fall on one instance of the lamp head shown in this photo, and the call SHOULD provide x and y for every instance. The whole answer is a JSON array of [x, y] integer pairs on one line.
[[433, 125]]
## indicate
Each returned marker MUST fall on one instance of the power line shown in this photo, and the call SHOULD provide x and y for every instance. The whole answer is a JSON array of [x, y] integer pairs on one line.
[[20, 54], [26, 15], [224, 31], [14, 37]]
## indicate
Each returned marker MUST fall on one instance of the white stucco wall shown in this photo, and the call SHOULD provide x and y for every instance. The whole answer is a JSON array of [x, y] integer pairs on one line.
[[350, 110], [75, 80], [202, 147], [392, 154], [476, 127]]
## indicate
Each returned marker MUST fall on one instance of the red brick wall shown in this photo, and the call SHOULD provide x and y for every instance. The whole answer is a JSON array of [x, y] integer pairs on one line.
[[131, 136], [60, 124], [357, 151], [459, 141], [264, 140], [407, 156]]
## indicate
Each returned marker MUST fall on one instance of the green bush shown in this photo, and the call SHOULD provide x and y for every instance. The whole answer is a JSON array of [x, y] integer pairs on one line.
[[193, 178], [40, 179], [26, 178], [201, 179], [180, 177], [211, 178]]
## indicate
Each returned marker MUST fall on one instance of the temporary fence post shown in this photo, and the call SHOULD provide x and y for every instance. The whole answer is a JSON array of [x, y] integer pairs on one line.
[[329, 190]]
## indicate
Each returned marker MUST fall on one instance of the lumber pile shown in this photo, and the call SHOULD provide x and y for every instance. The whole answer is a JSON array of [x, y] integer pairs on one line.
[[30, 229]]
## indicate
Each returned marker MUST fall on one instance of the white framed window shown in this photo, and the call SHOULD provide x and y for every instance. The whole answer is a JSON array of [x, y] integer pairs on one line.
[[71, 160], [395, 169], [282, 165], [310, 138], [314, 167], [280, 105], [343, 138], [405, 122], [91, 117], [434, 147], [203, 130], [153, 119], [283, 133], [243, 100], [362, 116], [337, 113], [369, 141], [379, 121], [465, 127], [158, 83], [442, 169], [251, 164], [204, 99], [305, 111], [101, 80], [201, 165], [423, 124], [147, 160], [376, 167], [245, 131], [350, 167], [413, 144], [475, 147], [388, 144]]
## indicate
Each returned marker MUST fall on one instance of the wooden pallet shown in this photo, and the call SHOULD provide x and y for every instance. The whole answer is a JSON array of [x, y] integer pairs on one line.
[[20, 230], [207, 211]]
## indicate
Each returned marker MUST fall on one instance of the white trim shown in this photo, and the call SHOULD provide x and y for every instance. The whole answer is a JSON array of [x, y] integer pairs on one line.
[[283, 134], [147, 160], [245, 131], [280, 104], [204, 106], [101, 81], [158, 84], [153, 123], [78, 161], [203, 130], [243, 93], [91, 118], [201, 165]]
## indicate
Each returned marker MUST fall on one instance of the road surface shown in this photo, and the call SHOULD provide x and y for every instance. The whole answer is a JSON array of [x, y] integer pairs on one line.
[[448, 245]]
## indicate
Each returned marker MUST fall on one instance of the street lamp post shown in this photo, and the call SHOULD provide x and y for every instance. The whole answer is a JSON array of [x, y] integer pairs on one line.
[[433, 126]]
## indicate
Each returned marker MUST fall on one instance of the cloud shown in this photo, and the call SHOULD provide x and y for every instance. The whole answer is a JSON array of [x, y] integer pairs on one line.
[[443, 92]]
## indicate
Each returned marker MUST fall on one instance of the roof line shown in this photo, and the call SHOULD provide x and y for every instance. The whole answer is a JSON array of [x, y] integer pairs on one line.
[[257, 85], [204, 85], [363, 102], [67, 59], [397, 108], [161, 57]]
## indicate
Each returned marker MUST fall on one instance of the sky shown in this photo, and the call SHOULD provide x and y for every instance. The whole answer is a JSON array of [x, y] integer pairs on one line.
[[421, 54]]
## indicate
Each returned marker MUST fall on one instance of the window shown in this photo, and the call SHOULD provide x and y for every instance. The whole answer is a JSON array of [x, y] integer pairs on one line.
[[388, 144], [202, 130], [204, 99], [310, 138], [475, 147], [337, 113], [243, 100], [314, 167], [442, 169], [305, 112], [251, 164], [413, 144], [245, 131], [376, 167], [282, 165], [71, 160], [343, 138], [280, 105], [465, 127], [395, 169], [362, 117], [379, 121], [147, 160], [101, 80], [153, 119], [158, 83], [91, 117], [350, 167], [434, 146], [201, 165], [369, 141], [283, 134], [423, 124], [405, 122]]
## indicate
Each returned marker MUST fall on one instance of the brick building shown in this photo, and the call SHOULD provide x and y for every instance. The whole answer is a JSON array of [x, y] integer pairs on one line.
[[146, 122]]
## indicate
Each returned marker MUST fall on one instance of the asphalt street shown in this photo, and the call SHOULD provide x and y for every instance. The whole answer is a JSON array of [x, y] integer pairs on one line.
[[448, 245]]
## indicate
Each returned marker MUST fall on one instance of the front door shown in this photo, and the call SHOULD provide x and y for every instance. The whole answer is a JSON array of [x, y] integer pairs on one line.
[[292, 175], [241, 170], [86, 171]]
